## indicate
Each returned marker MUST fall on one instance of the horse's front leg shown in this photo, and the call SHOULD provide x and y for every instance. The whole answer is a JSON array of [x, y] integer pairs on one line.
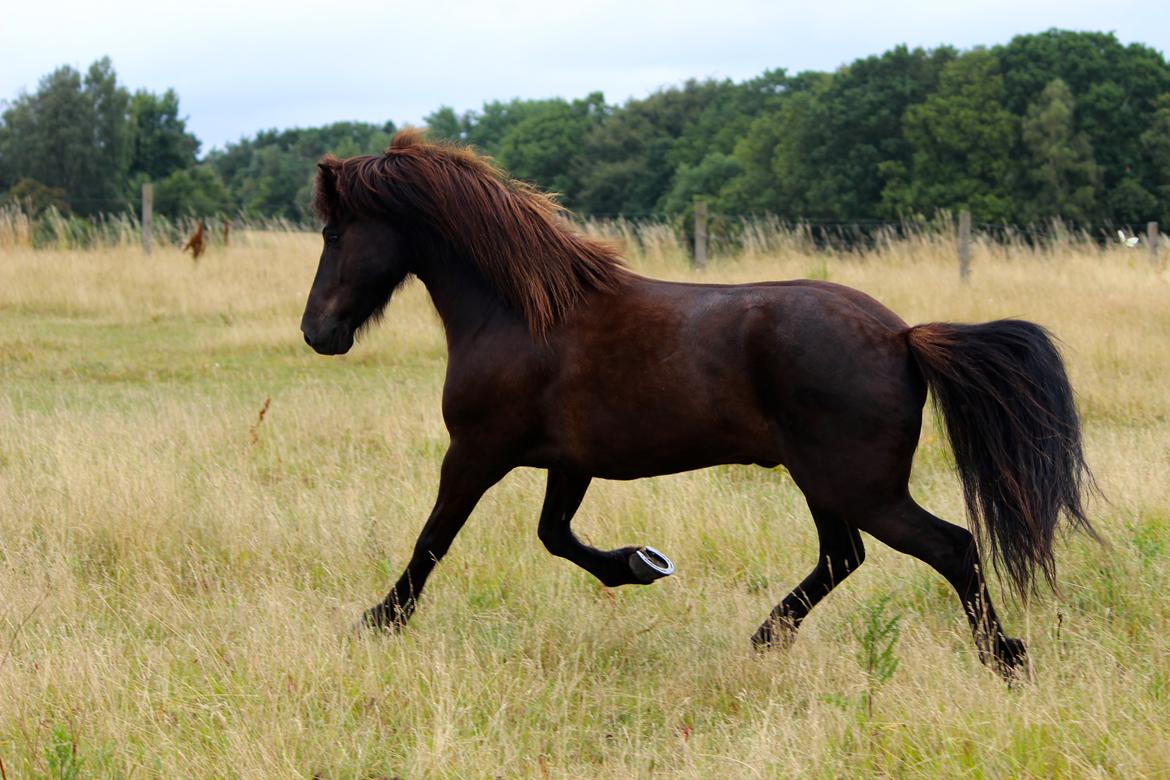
[[464, 478], [624, 566]]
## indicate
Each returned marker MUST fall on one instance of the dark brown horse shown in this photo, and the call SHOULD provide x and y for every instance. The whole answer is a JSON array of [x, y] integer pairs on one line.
[[559, 358]]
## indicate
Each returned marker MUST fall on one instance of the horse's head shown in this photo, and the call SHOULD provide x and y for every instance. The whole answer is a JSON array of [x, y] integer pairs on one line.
[[421, 207], [362, 262]]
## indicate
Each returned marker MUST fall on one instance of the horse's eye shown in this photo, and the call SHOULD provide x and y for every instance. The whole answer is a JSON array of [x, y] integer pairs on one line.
[[332, 238]]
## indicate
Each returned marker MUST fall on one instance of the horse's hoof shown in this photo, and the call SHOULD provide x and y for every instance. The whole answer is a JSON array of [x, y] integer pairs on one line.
[[1011, 660], [774, 634], [381, 619], [648, 565], [366, 625]]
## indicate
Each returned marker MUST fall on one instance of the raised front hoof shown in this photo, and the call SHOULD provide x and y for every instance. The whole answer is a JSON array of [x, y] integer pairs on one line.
[[774, 634], [647, 565]]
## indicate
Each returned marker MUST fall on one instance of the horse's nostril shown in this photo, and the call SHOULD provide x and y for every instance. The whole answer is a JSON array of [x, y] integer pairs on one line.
[[308, 340]]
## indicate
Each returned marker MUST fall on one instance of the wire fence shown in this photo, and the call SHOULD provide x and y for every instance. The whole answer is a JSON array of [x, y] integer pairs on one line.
[[52, 229], [723, 234], [760, 233]]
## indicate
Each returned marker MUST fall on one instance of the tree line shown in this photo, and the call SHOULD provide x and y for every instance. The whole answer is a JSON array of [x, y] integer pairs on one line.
[[1059, 124]]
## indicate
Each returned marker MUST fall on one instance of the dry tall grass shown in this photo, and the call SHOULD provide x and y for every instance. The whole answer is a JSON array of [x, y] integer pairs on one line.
[[178, 570]]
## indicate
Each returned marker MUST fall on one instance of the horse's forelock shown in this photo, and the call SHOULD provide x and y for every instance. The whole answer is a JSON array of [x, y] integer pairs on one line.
[[406, 138]]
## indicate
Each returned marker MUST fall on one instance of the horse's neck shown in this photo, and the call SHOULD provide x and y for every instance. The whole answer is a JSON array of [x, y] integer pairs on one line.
[[462, 297]]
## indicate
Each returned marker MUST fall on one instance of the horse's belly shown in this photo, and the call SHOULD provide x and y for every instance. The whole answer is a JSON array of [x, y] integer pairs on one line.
[[616, 445]]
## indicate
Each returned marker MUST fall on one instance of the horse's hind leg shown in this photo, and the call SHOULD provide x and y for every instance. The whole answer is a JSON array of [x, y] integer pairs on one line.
[[951, 551], [625, 566], [841, 552]]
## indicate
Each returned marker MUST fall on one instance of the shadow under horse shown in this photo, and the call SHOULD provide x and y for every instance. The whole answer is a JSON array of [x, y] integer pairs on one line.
[[562, 359]]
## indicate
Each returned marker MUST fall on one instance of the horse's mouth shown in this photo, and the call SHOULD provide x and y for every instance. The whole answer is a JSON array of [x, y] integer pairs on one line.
[[336, 343]]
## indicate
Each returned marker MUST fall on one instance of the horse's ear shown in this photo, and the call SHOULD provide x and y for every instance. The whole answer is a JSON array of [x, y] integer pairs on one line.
[[325, 195], [329, 164], [327, 170]]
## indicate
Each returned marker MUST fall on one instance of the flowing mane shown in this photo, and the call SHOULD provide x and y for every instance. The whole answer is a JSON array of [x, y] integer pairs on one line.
[[507, 228]]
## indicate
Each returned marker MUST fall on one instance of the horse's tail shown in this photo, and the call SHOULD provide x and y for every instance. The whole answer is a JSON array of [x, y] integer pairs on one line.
[[1002, 391]]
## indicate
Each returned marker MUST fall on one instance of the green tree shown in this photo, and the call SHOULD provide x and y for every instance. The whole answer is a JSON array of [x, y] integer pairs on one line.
[[629, 166], [725, 116], [962, 139], [1130, 203], [1061, 178], [271, 174], [274, 179], [161, 143], [112, 136], [71, 134], [192, 191], [1155, 143], [485, 129], [837, 155], [444, 124], [34, 198], [789, 152], [705, 180], [818, 147], [543, 147], [1114, 86], [761, 186], [702, 156]]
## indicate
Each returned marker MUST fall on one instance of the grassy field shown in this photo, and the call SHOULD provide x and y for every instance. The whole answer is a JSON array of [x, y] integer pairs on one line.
[[178, 572]]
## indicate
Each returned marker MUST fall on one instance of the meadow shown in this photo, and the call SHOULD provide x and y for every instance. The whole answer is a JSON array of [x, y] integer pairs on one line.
[[194, 508]]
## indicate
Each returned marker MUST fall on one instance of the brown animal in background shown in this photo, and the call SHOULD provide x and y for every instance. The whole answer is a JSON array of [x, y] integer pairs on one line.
[[227, 228], [196, 243]]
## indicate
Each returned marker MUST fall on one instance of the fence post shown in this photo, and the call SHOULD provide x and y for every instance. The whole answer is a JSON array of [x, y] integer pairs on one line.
[[1152, 241], [700, 233], [147, 211], [964, 245]]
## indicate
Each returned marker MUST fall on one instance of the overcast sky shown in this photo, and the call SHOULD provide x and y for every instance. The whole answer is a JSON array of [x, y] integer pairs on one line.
[[244, 66]]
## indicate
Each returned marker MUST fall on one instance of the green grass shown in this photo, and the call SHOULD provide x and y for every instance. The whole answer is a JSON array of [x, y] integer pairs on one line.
[[177, 597]]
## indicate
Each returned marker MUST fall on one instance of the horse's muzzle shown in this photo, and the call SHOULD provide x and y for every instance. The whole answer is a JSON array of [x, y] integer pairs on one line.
[[332, 341]]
